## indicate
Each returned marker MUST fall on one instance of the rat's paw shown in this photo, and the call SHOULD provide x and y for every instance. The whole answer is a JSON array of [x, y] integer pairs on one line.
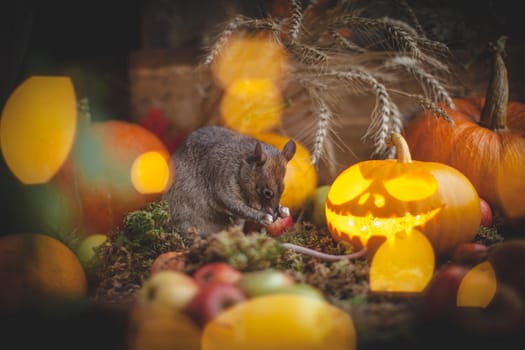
[[267, 219], [284, 211]]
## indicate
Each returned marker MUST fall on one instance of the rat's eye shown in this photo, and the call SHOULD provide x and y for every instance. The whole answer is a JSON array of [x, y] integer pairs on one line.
[[267, 193]]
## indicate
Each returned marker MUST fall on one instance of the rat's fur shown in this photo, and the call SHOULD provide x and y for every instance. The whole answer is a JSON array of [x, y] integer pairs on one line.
[[223, 177]]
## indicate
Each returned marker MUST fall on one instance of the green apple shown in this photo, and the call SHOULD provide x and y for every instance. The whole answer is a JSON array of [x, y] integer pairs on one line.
[[316, 201], [301, 289], [262, 282], [86, 249], [168, 289]]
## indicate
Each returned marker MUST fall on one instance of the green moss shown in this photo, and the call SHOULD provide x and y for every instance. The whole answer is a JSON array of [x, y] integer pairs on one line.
[[126, 260], [250, 252], [488, 236]]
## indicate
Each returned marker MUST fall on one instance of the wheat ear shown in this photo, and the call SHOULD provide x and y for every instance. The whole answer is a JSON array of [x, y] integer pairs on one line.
[[430, 85], [321, 131]]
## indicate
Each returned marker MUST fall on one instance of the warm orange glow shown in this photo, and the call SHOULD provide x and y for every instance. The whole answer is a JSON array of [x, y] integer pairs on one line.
[[403, 264], [378, 198], [365, 202], [478, 287], [412, 186], [38, 127], [250, 57], [300, 180], [150, 173], [407, 185], [251, 106], [364, 227]]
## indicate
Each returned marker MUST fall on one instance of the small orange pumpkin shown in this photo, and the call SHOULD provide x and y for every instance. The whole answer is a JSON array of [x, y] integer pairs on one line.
[[381, 198], [36, 267], [96, 180], [486, 142]]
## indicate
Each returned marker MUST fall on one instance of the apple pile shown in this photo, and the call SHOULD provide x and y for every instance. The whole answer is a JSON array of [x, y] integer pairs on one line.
[[503, 312], [214, 287]]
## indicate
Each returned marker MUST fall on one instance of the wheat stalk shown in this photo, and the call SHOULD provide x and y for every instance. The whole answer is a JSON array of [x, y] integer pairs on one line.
[[373, 56]]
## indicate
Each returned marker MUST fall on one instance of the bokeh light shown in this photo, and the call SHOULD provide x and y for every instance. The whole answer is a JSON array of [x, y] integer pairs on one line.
[[150, 173], [251, 106], [38, 127], [250, 57], [404, 263], [478, 286]]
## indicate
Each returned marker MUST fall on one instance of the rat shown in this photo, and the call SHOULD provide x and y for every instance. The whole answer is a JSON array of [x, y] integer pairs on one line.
[[223, 178]]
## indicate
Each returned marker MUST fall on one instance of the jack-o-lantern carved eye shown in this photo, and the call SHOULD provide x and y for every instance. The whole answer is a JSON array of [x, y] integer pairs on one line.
[[412, 186]]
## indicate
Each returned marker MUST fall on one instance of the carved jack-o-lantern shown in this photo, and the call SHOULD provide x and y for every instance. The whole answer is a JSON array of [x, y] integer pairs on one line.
[[385, 197]]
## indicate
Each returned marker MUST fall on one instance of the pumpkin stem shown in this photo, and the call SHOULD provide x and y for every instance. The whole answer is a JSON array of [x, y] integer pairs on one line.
[[403, 153], [494, 112]]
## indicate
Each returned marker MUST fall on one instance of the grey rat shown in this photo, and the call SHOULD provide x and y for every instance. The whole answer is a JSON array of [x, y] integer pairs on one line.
[[223, 177]]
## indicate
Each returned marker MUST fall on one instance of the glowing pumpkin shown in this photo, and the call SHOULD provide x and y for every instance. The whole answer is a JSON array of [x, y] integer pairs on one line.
[[38, 126], [379, 198], [300, 180]]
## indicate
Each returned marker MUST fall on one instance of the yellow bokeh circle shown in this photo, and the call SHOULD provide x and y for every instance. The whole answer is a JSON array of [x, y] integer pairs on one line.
[[251, 106], [38, 127], [150, 173], [250, 57], [404, 263]]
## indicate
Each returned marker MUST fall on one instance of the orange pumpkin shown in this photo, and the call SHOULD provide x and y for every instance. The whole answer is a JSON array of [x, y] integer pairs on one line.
[[36, 267], [486, 143], [96, 180], [381, 198]]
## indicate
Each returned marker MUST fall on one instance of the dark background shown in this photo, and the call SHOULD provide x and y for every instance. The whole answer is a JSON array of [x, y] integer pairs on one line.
[[90, 41]]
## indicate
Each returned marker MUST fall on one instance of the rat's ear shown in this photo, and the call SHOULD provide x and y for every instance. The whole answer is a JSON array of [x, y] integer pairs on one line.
[[259, 155], [289, 150]]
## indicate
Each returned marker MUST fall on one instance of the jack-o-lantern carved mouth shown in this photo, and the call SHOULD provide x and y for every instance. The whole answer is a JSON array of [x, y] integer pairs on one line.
[[364, 227]]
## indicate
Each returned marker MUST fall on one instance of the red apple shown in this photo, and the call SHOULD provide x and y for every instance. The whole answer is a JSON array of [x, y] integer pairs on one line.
[[211, 300], [262, 282], [173, 261], [486, 213], [168, 289], [440, 295], [279, 226], [469, 254], [504, 316], [216, 272], [508, 259]]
